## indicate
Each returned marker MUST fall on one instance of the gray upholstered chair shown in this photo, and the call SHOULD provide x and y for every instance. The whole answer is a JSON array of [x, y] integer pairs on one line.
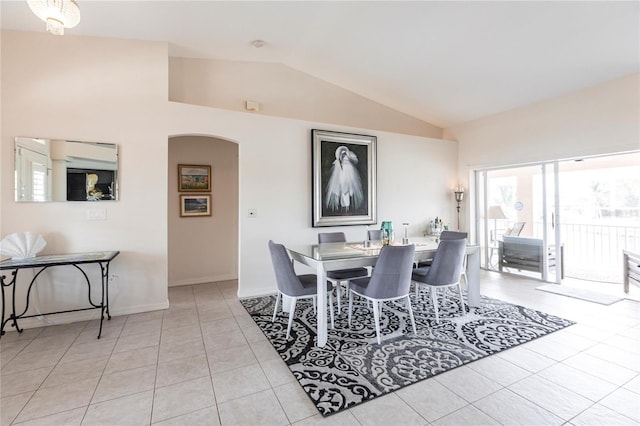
[[292, 285], [445, 271], [450, 235], [390, 280], [342, 275], [374, 234]]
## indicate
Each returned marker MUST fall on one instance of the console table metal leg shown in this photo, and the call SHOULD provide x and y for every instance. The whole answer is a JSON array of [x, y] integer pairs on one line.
[[4, 301], [104, 303], [13, 303], [103, 271], [106, 292]]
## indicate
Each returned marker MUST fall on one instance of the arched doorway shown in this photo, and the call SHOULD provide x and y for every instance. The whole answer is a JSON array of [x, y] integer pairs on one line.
[[203, 248]]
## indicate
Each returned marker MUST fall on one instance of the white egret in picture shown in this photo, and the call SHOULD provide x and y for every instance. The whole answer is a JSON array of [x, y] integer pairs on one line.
[[344, 189]]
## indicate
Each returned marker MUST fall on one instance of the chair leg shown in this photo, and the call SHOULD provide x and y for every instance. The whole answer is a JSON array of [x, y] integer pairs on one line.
[[314, 305], [376, 318], [331, 308], [434, 300], [291, 314], [466, 281], [350, 306], [413, 321], [338, 293], [275, 309], [464, 311]]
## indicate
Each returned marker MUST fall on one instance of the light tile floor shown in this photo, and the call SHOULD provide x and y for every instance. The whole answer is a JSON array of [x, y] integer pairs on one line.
[[204, 361]]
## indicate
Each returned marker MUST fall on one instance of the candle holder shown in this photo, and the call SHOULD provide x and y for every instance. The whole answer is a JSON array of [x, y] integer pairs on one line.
[[405, 240]]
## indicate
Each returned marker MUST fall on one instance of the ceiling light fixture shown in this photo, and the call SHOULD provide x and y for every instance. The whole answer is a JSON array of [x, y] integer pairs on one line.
[[257, 43], [58, 14]]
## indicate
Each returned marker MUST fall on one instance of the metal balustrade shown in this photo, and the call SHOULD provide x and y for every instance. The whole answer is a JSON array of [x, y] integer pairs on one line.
[[595, 251]]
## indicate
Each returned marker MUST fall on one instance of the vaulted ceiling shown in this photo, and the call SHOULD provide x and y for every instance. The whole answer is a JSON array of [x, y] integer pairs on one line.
[[444, 62]]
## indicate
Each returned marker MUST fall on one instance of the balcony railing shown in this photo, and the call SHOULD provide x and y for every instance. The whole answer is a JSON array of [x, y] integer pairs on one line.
[[595, 251]]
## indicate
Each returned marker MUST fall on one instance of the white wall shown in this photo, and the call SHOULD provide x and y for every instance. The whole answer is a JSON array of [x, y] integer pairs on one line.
[[100, 90], [416, 177]]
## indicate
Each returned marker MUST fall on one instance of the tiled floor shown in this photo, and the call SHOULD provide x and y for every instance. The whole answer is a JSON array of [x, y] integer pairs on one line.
[[203, 361]]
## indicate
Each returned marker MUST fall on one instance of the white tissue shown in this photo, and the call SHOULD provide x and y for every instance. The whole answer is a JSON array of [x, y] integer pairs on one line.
[[22, 245]]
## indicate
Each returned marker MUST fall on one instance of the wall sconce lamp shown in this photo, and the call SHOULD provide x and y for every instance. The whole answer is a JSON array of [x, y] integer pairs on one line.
[[459, 193], [58, 14]]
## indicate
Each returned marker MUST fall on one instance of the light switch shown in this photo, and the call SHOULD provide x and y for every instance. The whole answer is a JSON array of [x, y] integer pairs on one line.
[[252, 106], [97, 214]]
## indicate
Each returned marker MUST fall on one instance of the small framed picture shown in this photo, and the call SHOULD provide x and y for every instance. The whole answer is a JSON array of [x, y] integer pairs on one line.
[[195, 205], [194, 178]]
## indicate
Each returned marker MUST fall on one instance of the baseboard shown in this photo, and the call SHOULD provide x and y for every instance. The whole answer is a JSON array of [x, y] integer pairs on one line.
[[203, 280], [263, 291], [88, 315]]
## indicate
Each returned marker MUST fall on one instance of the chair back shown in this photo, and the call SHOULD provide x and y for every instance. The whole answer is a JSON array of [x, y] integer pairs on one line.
[[332, 237], [452, 235], [448, 262], [392, 275], [286, 278], [515, 230], [374, 234]]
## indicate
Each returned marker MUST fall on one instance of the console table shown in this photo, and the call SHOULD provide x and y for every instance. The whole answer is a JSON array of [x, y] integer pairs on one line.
[[12, 266]]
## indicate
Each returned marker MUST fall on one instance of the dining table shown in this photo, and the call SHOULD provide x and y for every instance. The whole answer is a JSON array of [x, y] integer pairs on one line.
[[326, 257]]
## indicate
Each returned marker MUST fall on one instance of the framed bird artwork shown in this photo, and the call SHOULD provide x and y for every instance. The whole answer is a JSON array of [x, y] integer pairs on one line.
[[344, 178]]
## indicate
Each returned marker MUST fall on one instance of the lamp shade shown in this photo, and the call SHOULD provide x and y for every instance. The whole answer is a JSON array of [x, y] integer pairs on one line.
[[58, 14], [496, 212]]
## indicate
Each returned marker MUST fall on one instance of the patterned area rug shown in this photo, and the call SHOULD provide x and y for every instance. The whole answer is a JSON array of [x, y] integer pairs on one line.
[[352, 368]]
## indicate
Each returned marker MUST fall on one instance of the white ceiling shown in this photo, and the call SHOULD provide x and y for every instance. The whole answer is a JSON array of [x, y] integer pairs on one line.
[[443, 62]]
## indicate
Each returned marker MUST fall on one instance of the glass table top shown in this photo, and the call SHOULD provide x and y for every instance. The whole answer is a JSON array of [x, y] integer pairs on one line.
[[59, 259]]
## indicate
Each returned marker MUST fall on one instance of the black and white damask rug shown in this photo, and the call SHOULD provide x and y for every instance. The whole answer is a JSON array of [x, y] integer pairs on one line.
[[352, 368]]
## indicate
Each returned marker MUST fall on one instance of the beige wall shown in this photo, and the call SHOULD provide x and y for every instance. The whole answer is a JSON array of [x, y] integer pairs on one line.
[[195, 252], [598, 120], [102, 90], [416, 177], [115, 91], [283, 92]]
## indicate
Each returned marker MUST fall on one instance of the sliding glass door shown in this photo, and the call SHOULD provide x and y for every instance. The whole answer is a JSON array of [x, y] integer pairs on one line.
[[517, 220], [600, 211], [580, 214]]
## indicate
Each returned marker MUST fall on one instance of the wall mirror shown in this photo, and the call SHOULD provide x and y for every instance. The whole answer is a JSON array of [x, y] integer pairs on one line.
[[61, 170]]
